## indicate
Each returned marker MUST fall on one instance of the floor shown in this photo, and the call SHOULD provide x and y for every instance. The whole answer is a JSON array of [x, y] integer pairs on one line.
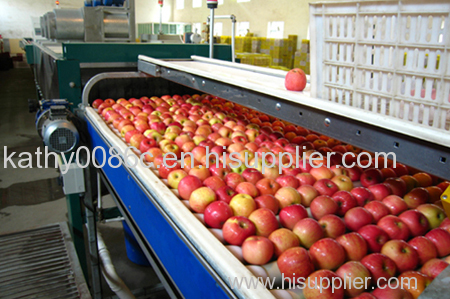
[[32, 197]]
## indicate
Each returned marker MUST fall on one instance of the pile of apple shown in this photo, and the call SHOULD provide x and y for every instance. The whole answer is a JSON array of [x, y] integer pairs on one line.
[[370, 223]]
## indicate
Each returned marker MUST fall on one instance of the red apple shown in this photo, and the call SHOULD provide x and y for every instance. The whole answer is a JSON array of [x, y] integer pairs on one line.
[[320, 173], [398, 186], [332, 225], [355, 275], [445, 224], [395, 204], [441, 239], [305, 179], [380, 191], [354, 245], [327, 254], [216, 213], [380, 267], [326, 187], [404, 255], [225, 194], [233, 179], [308, 231], [288, 181], [264, 221], [374, 236], [345, 201], [320, 286], [362, 195], [323, 205], [247, 188], [267, 186], [357, 217], [187, 185], [377, 209], [391, 291], [295, 80], [394, 227], [424, 247], [295, 263], [417, 223], [283, 239], [236, 229], [371, 177], [257, 250], [267, 201], [416, 197], [308, 194], [434, 267], [252, 175]]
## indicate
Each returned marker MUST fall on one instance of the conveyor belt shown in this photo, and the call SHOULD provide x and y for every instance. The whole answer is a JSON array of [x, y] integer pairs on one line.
[[40, 263]]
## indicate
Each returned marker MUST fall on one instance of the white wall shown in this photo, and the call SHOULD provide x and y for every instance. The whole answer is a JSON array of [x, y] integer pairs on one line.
[[148, 11], [15, 15]]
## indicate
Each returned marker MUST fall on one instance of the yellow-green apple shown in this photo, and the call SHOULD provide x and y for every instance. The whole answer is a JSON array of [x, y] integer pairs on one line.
[[397, 185], [292, 214], [391, 291], [323, 205], [242, 205], [332, 226], [165, 142], [381, 268], [377, 209], [251, 134], [308, 231], [198, 138], [245, 156], [287, 196], [441, 239], [295, 263], [417, 223], [247, 188], [267, 186], [236, 229], [434, 214], [252, 175], [214, 182], [404, 255], [380, 191], [395, 204], [308, 194], [374, 236], [153, 135], [288, 181], [327, 254], [264, 221], [355, 276], [172, 148], [257, 250], [433, 267], [283, 239], [326, 187], [267, 201], [187, 185], [317, 285], [445, 224], [233, 179], [225, 193], [175, 177], [416, 197], [343, 182], [321, 173], [414, 282], [201, 198], [371, 176], [217, 213], [345, 201], [394, 227], [424, 247], [354, 245], [200, 171], [362, 195]]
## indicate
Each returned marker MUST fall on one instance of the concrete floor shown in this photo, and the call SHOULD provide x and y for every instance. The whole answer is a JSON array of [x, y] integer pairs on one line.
[[32, 197]]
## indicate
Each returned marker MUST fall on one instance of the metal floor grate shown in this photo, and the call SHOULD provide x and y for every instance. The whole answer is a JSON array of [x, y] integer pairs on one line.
[[40, 263]]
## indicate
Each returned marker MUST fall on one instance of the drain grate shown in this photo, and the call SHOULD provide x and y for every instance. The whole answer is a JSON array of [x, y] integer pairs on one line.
[[40, 263]]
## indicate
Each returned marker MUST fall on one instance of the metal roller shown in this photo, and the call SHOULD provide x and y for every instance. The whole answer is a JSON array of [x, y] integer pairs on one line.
[[115, 25], [69, 24], [51, 25]]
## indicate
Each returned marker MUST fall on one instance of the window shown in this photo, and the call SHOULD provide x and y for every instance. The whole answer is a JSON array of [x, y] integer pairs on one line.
[[242, 28], [196, 3], [218, 28], [180, 4], [275, 29]]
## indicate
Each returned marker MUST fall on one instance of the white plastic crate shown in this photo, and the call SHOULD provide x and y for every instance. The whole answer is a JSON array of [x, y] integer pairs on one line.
[[386, 57]]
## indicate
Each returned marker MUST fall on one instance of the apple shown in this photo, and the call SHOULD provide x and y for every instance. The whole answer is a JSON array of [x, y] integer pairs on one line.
[[371, 176], [175, 177], [326, 187], [247, 188], [288, 181], [295, 263], [323, 205], [357, 217], [252, 175], [345, 201], [214, 182], [96, 103], [374, 236], [391, 291], [146, 144], [441, 239], [355, 276], [305, 179], [318, 285], [416, 197], [321, 173], [404, 255], [395, 204], [343, 182], [354, 245], [233, 179], [362, 195], [397, 185], [257, 250], [433, 267], [377, 209], [283, 239], [219, 170], [201, 198], [264, 221], [225, 194], [445, 224], [434, 214], [414, 282], [327, 254], [435, 193], [267, 186], [381, 268], [242, 205], [236, 229], [332, 225], [424, 179], [380, 191], [308, 231], [424, 247], [200, 171], [394, 227], [287, 196], [417, 223], [217, 213], [308, 194], [366, 295], [187, 185], [290, 215]]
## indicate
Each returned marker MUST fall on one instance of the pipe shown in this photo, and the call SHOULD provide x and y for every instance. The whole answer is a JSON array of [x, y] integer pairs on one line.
[[109, 272], [211, 35], [233, 32]]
